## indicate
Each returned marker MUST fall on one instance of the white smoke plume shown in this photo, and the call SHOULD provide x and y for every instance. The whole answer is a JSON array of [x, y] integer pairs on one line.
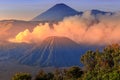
[[84, 29]]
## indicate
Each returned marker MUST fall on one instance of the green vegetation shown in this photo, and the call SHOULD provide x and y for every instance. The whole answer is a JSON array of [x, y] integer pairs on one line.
[[103, 65], [98, 65], [44, 76], [22, 76]]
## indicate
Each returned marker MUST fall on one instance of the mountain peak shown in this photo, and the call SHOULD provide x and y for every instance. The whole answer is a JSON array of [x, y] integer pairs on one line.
[[56, 13], [55, 40], [61, 5]]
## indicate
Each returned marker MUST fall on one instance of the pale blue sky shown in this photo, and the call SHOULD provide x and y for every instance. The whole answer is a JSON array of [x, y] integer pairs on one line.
[[27, 9]]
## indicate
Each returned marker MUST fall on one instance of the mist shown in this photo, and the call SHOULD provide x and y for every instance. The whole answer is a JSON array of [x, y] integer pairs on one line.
[[85, 29]]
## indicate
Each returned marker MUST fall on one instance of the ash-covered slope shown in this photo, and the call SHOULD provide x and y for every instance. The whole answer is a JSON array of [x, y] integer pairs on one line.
[[12, 52], [56, 13], [54, 51]]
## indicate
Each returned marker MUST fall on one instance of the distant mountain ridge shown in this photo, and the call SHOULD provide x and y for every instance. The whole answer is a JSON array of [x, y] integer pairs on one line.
[[56, 13], [60, 11], [96, 12]]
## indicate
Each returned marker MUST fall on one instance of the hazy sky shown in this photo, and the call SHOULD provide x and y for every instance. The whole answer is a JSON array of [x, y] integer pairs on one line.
[[27, 9]]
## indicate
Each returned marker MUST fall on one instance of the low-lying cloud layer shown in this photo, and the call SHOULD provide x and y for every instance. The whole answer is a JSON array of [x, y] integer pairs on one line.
[[87, 29]]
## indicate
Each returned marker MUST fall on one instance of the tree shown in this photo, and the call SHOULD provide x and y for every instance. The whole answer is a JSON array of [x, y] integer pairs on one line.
[[74, 72], [50, 76], [58, 74], [89, 60], [22, 76], [41, 75], [104, 65]]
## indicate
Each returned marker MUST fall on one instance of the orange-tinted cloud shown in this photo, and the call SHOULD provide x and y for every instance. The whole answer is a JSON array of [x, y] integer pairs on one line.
[[82, 29]]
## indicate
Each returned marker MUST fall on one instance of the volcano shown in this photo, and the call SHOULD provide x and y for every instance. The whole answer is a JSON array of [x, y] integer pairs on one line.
[[56, 13], [54, 51]]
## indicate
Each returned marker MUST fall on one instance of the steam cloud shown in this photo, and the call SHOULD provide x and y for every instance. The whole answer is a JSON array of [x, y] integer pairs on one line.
[[86, 29]]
